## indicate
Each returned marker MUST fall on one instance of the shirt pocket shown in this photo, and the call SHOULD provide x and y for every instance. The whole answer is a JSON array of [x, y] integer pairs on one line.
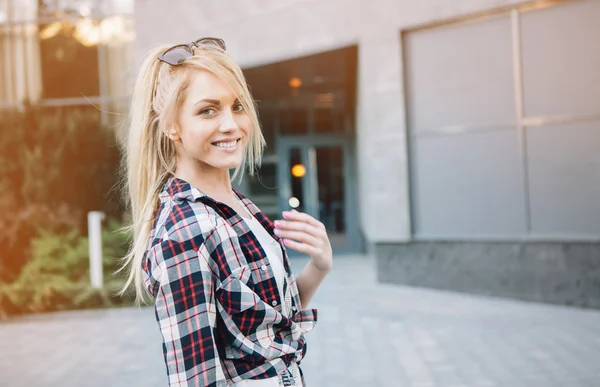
[[235, 293], [248, 335], [261, 270]]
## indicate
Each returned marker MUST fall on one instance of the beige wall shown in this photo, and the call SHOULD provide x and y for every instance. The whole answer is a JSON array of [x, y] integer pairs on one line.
[[262, 31]]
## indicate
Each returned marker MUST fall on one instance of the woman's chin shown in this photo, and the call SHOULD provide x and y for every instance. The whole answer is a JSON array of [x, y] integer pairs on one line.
[[227, 163]]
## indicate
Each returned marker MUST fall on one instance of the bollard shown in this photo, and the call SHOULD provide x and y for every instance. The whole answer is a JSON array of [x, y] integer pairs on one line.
[[95, 241]]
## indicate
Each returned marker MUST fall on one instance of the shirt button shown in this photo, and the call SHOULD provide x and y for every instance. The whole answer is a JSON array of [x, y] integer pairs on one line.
[[274, 303], [264, 268]]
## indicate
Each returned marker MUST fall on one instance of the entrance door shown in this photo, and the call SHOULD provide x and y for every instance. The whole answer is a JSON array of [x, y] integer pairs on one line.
[[316, 176]]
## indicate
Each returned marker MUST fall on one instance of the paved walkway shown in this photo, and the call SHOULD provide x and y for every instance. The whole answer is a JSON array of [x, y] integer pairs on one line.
[[368, 335]]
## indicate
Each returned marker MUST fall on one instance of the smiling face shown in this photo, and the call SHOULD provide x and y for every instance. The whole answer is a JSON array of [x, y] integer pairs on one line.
[[213, 127]]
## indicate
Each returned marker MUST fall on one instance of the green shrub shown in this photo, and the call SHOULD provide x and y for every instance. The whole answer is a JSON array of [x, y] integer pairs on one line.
[[115, 244], [57, 276], [56, 164], [20, 299]]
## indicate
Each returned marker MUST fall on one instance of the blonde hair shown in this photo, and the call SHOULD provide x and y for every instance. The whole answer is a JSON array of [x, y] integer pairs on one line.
[[150, 156]]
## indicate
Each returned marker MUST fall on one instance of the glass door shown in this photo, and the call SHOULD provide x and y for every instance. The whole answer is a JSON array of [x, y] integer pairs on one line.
[[317, 177]]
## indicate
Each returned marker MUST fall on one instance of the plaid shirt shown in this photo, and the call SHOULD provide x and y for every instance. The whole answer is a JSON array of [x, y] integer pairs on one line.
[[217, 302]]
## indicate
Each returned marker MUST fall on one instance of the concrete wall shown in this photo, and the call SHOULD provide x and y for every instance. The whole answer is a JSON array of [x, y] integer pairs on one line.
[[557, 273], [262, 31]]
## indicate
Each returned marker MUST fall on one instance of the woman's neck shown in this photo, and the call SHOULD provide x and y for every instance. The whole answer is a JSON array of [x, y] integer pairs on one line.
[[214, 182]]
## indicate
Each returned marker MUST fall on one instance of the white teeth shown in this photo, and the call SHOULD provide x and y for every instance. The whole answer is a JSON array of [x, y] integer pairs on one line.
[[229, 144]]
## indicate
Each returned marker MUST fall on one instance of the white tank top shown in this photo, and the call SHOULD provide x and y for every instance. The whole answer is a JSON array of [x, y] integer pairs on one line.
[[275, 257], [271, 248]]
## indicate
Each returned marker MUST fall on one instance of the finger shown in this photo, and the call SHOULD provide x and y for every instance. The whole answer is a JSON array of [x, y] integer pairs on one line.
[[301, 247], [300, 237], [302, 217], [299, 226]]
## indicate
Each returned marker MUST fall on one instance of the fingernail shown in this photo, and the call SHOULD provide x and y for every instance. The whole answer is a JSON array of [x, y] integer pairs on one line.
[[277, 231], [277, 222], [286, 212]]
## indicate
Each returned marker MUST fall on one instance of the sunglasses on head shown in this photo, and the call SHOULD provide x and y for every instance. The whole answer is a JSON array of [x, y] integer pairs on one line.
[[176, 54]]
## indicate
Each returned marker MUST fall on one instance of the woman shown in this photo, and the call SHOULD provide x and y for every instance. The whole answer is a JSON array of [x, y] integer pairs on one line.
[[229, 310]]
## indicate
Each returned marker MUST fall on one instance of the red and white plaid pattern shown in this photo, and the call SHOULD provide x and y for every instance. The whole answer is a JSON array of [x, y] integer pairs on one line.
[[217, 303]]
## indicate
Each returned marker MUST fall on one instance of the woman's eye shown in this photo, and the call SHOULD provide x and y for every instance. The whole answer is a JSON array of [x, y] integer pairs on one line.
[[238, 107], [207, 112]]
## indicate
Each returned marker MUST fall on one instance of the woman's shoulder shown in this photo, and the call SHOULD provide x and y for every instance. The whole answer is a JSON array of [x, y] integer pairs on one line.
[[184, 221]]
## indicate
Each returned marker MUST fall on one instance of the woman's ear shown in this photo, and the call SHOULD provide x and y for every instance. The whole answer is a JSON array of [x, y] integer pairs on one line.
[[173, 133]]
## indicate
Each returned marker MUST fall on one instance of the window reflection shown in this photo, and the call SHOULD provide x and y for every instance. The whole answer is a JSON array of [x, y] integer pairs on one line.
[[69, 68], [50, 52], [262, 189], [331, 195], [313, 94], [297, 179]]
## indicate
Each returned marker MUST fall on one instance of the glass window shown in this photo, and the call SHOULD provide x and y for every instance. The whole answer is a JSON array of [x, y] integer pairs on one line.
[[313, 94], [298, 175], [265, 180], [268, 122], [69, 66], [262, 190], [329, 113], [294, 121], [51, 51], [331, 195]]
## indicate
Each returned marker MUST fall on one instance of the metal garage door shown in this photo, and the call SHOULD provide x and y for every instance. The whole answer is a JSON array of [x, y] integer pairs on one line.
[[504, 124]]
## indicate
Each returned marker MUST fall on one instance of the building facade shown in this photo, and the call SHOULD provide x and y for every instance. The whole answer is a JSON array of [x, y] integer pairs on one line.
[[457, 141], [66, 53]]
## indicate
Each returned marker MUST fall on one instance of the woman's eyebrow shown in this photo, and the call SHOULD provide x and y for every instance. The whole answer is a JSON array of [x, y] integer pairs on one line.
[[208, 100]]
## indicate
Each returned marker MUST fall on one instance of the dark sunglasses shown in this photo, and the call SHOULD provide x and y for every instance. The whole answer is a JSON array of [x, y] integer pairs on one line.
[[176, 54]]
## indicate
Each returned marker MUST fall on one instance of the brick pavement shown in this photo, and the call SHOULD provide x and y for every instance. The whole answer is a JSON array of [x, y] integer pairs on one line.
[[368, 335]]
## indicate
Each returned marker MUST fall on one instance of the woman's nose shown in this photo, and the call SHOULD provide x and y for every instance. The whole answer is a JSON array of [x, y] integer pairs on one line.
[[228, 122]]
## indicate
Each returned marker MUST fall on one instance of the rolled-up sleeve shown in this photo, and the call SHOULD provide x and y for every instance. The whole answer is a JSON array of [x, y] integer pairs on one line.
[[186, 313]]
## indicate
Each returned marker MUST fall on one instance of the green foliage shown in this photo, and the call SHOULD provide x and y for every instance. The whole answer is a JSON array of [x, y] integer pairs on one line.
[[66, 254], [19, 299], [56, 164], [57, 255], [115, 244], [57, 276]]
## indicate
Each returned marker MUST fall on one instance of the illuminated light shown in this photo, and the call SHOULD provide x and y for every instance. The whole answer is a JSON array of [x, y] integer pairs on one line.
[[51, 30], [295, 83], [90, 32], [294, 202], [298, 170], [87, 32], [115, 29], [85, 10], [325, 97]]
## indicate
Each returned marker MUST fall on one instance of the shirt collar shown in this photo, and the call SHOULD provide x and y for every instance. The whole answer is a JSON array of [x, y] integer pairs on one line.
[[180, 190]]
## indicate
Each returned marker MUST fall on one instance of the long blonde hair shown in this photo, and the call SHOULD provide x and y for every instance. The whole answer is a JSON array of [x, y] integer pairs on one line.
[[150, 155]]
